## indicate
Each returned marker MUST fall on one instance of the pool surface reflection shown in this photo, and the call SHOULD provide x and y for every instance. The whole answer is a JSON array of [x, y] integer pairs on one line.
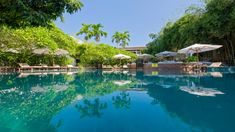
[[101, 101]]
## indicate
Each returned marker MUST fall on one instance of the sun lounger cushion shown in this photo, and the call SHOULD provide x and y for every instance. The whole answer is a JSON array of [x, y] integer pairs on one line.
[[44, 65], [216, 64], [56, 66], [24, 65], [125, 66], [70, 66]]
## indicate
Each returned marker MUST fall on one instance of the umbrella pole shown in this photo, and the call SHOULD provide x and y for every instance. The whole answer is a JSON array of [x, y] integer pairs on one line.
[[198, 68], [197, 57], [52, 60]]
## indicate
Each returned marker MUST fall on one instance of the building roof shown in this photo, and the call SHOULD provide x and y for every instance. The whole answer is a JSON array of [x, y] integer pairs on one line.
[[130, 48]]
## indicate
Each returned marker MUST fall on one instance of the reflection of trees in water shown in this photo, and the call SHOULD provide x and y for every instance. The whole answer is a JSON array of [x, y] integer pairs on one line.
[[29, 109], [24, 105], [122, 100], [26, 83], [59, 123], [91, 109], [95, 83], [155, 101], [33, 99], [205, 113]]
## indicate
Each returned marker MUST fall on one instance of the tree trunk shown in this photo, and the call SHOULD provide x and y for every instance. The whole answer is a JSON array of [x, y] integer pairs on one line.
[[230, 44], [228, 59], [233, 48], [232, 52], [226, 56]]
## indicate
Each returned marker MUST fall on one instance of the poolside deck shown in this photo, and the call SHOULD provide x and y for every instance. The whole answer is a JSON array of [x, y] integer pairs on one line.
[[36, 68], [182, 67]]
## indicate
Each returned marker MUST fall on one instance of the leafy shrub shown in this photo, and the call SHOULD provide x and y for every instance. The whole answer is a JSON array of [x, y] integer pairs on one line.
[[192, 59], [24, 40], [93, 54]]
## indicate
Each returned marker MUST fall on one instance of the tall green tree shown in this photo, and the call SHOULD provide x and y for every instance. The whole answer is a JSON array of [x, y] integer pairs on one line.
[[92, 30], [18, 13], [121, 38], [86, 30], [23, 40], [213, 23], [153, 36], [97, 32]]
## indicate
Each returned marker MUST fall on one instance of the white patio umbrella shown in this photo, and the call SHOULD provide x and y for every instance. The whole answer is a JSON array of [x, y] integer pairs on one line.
[[42, 51], [46, 51], [166, 54], [145, 56], [12, 51], [61, 52], [121, 57], [199, 48]]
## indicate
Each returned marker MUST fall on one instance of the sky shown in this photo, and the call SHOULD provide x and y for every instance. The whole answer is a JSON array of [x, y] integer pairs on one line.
[[139, 17]]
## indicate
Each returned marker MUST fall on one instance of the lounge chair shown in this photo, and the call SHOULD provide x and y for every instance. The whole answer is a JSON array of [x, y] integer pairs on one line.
[[125, 67], [215, 64], [54, 67], [25, 66], [107, 67], [44, 65], [70, 67]]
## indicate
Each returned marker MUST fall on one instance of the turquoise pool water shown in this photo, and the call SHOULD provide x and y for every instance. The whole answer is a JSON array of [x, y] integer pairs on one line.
[[99, 101]]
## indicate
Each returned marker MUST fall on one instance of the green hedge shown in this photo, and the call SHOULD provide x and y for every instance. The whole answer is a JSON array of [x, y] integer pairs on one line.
[[94, 54], [24, 40]]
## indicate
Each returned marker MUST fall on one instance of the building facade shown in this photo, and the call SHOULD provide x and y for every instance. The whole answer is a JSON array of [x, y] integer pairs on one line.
[[135, 49]]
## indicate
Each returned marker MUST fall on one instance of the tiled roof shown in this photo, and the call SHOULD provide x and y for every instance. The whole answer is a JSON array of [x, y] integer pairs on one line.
[[134, 48]]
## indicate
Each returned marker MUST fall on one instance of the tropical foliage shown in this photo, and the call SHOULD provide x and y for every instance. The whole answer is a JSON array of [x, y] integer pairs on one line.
[[121, 39], [16, 45], [34, 99], [101, 54], [38, 99], [92, 30], [213, 24], [18, 13]]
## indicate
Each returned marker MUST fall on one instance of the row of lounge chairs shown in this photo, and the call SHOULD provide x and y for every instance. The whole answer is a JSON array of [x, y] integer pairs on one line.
[[25, 66], [193, 66], [115, 67], [200, 66]]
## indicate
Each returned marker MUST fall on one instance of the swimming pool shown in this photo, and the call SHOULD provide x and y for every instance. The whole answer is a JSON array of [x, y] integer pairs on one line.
[[222, 69], [103, 101]]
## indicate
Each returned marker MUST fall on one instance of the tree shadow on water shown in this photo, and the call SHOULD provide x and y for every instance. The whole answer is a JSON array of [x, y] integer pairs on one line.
[[91, 108], [122, 100]]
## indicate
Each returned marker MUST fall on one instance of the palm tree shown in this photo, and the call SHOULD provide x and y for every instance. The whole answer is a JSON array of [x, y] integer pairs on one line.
[[121, 39], [92, 30], [153, 36], [97, 32], [86, 30]]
